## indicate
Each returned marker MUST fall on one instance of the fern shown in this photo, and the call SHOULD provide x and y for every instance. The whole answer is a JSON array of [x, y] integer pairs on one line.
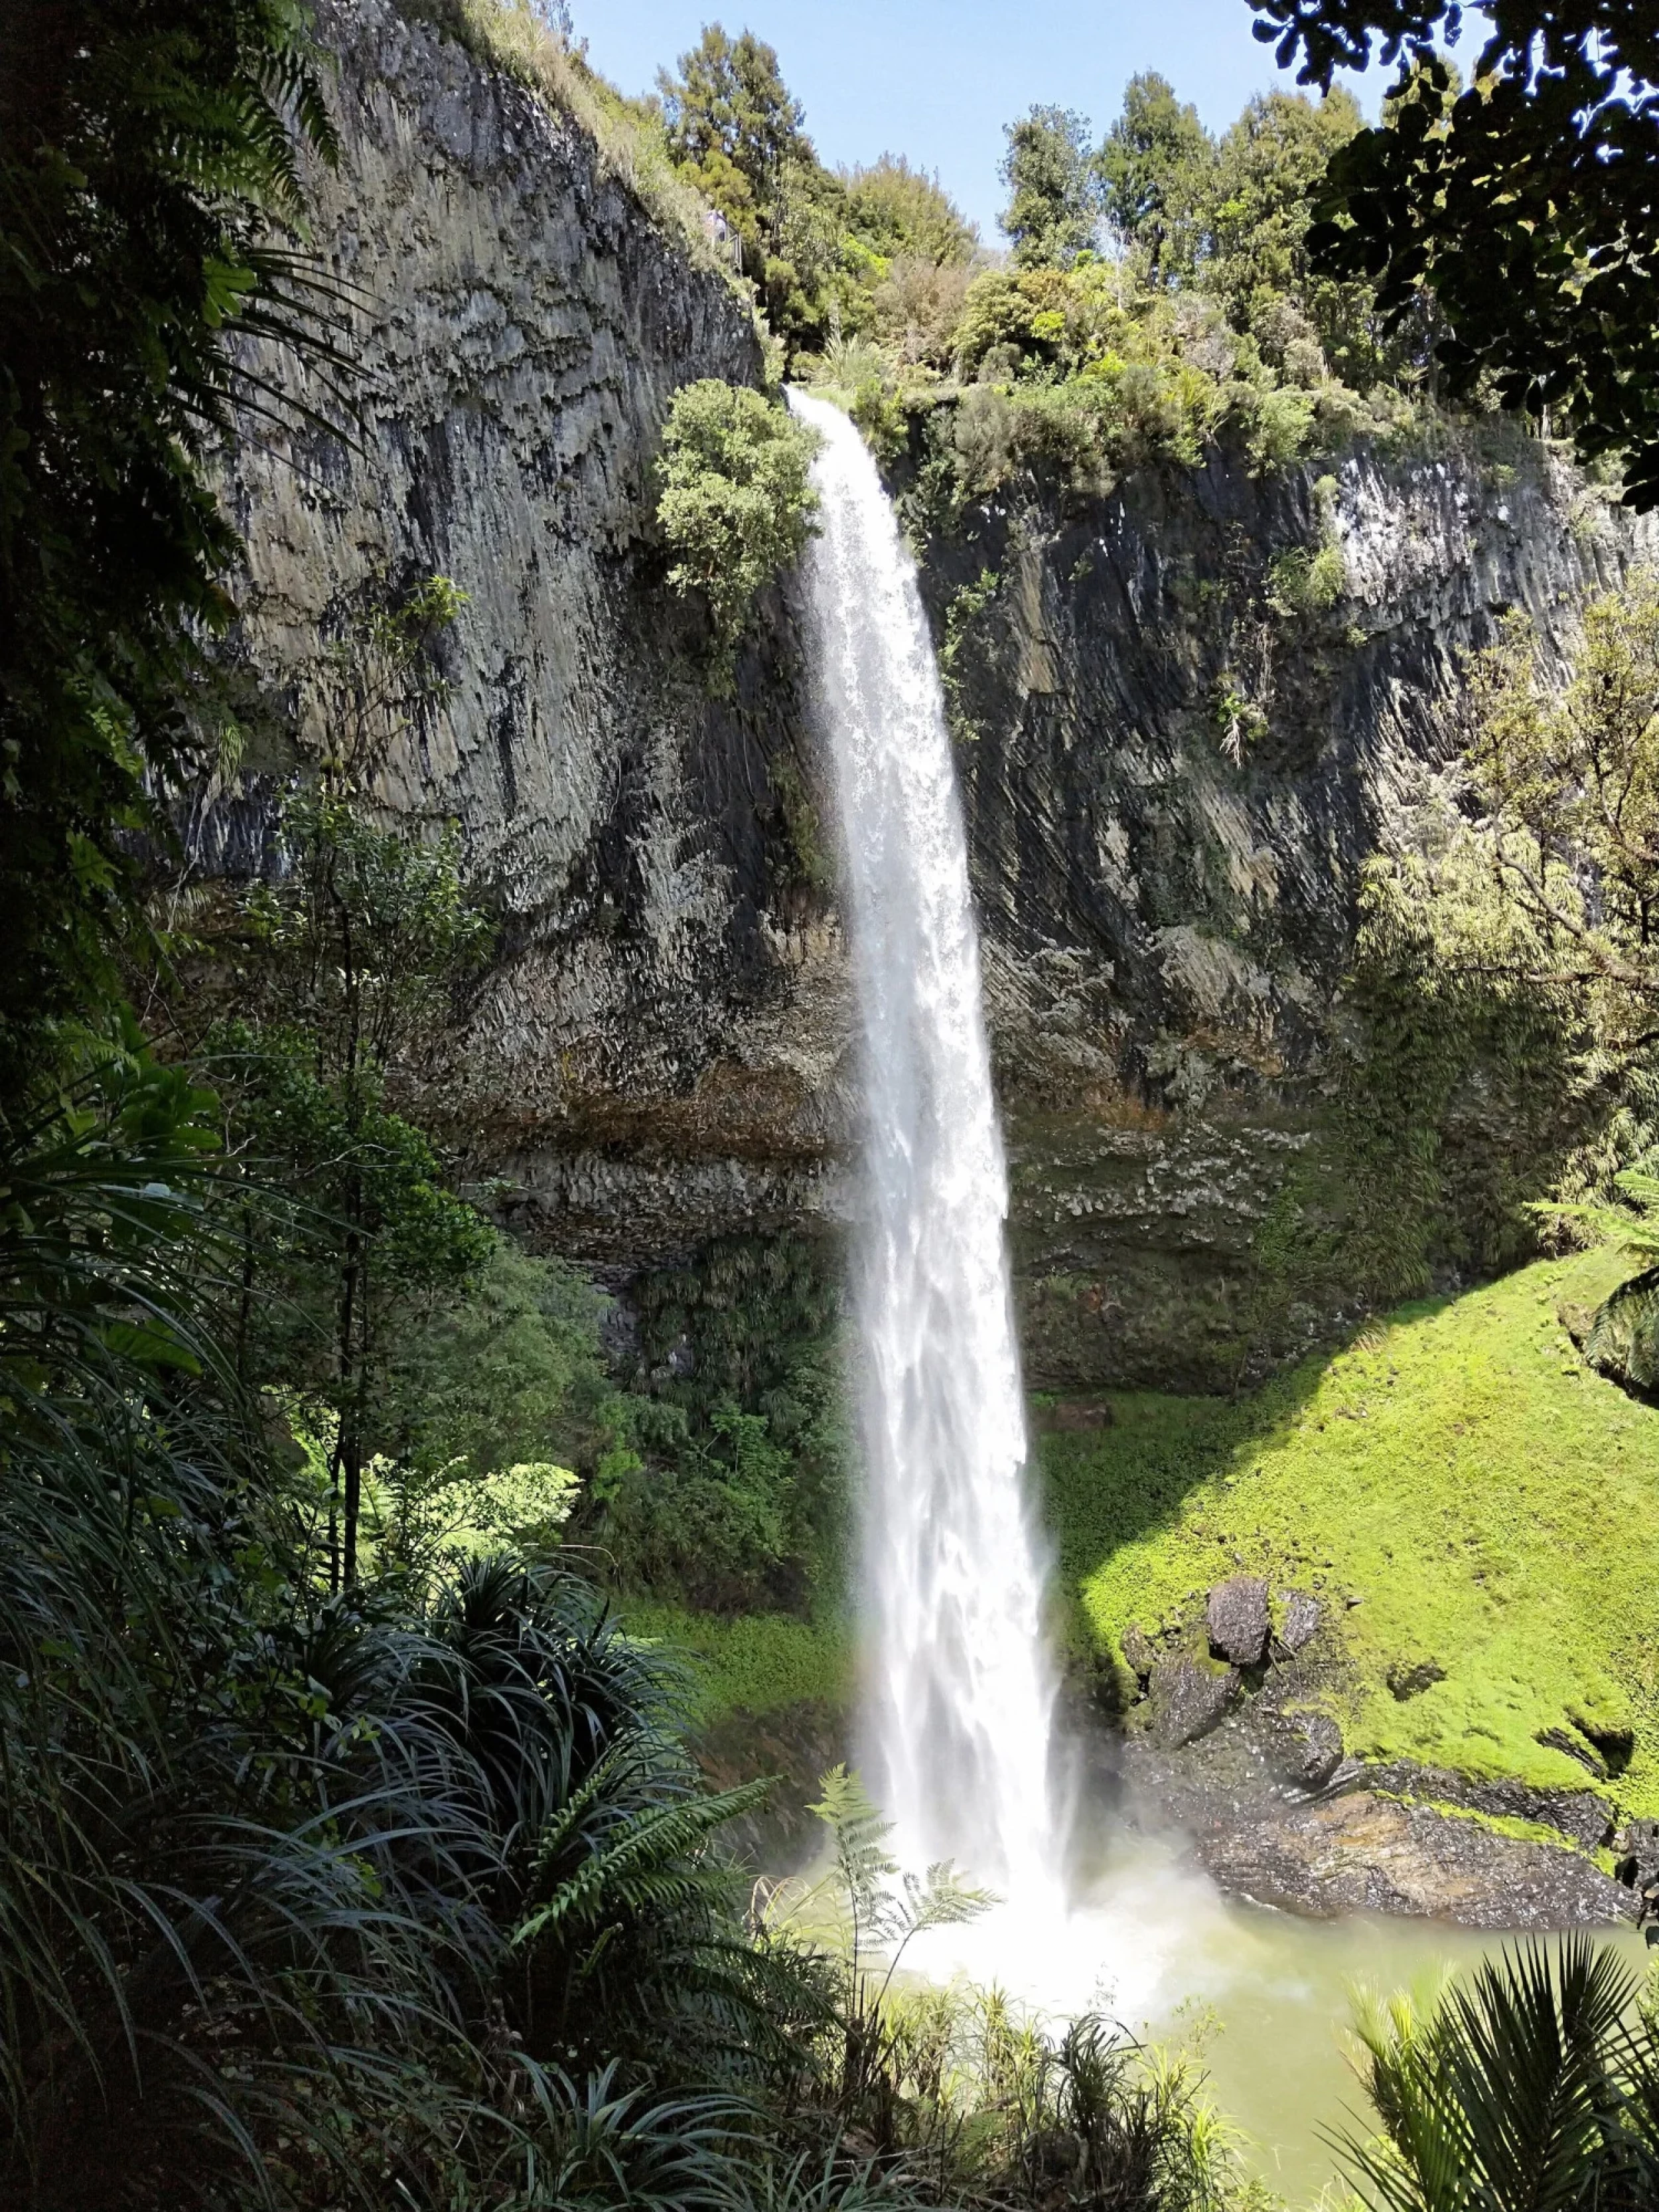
[[639, 1869]]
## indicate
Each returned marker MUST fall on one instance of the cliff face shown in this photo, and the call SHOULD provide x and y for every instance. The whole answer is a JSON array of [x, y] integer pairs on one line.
[[520, 324], [1171, 772], [1178, 757]]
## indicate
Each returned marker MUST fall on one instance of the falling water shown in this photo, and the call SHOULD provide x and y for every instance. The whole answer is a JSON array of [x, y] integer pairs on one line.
[[960, 1694]]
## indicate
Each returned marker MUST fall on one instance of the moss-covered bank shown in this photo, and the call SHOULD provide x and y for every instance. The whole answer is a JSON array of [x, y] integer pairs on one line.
[[1474, 1506], [1476, 1509]]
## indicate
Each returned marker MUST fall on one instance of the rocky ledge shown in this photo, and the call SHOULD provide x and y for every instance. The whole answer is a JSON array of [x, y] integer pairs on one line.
[[1233, 1739]]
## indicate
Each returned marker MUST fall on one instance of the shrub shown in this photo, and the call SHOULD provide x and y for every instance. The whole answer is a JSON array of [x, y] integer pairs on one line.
[[736, 505], [1306, 582]]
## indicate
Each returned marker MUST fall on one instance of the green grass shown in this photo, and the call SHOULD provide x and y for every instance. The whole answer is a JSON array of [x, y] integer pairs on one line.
[[1489, 1500], [757, 1662]]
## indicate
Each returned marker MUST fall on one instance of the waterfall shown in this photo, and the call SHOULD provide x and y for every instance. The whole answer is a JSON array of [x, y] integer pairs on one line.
[[959, 1696]]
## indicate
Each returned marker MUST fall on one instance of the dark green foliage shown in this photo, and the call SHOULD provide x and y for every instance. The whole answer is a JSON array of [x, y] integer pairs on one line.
[[736, 504], [726, 1482], [1526, 204], [736, 132], [1622, 1336], [1055, 198], [302, 1894], [733, 121], [355, 948], [1528, 2087], [148, 182], [818, 248], [1212, 325], [349, 960], [1256, 217], [510, 1372], [1152, 166], [898, 211]]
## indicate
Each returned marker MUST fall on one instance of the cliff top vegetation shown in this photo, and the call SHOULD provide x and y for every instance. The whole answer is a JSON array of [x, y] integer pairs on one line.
[[1157, 293]]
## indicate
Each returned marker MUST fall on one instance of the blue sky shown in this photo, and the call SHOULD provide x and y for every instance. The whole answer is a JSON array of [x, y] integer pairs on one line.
[[937, 79]]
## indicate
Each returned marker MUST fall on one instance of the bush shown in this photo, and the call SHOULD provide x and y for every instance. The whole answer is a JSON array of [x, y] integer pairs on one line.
[[307, 1896], [736, 506]]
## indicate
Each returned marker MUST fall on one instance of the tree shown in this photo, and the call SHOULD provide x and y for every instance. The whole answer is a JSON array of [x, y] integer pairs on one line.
[[1054, 194], [1267, 169], [1569, 783], [1507, 966], [1527, 204], [357, 945], [734, 125], [736, 504], [735, 131], [903, 212], [1152, 168], [147, 188]]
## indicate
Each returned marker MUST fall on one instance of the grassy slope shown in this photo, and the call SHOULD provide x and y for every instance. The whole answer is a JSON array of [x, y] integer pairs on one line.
[[760, 1662], [1490, 1502]]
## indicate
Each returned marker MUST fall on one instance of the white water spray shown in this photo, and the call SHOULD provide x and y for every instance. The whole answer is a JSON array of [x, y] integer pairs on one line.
[[960, 1693]]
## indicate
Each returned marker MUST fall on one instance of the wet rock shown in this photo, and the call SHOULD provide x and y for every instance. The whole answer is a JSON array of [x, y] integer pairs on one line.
[[793, 1745], [1582, 1814], [1575, 1747], [1364, 1853], [1139, 1652], [1298, 1622], [1312, 1749], [1236, 1614], [1637, 1861], [1190, 1697]]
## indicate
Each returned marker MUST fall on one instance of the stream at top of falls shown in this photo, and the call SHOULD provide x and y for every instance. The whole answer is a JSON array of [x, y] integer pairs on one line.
[[956, 1739]]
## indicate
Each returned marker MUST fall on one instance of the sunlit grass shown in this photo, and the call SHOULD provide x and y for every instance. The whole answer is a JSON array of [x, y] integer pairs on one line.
[[1488, 1501], [758, 1661]]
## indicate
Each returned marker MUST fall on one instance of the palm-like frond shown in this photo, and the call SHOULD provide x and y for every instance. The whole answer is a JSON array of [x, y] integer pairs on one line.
[[1514, 2095]]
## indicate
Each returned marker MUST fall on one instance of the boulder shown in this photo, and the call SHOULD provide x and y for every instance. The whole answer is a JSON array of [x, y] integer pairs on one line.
[[1190, 1696], [1236, 1611], [1298, 1622], [1139, 1652], [1312, 1749]]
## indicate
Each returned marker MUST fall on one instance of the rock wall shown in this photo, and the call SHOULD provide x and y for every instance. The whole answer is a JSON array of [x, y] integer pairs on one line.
[[1174, 772], [519, 324], [1171, 776]]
